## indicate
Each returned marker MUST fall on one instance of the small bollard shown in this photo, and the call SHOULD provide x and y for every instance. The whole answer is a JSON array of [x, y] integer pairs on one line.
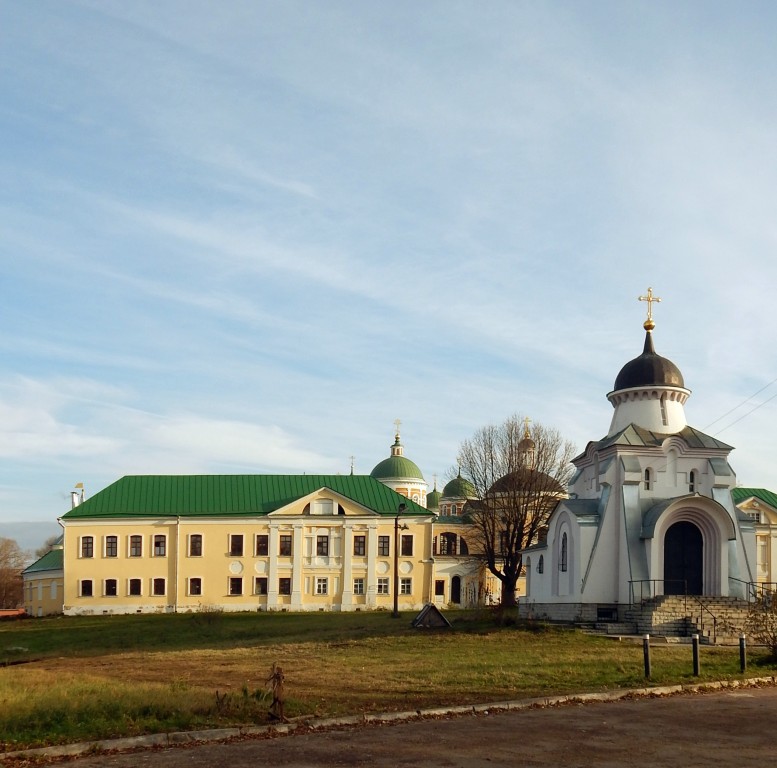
[[743, 652], [695, 642], [646, 653]]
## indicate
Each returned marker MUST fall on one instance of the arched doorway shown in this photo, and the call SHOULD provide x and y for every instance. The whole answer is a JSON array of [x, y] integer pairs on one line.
[[456, 590], [683, 559]]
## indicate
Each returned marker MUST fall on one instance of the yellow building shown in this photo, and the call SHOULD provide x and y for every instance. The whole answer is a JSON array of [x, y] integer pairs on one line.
[[760, 507], [246, 542], [44, 584]]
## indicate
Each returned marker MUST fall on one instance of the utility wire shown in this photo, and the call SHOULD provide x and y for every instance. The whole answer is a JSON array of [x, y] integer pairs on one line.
[[736, 407]]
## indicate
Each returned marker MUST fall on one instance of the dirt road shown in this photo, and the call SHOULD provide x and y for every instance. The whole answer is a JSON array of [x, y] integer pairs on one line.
[[732, 728]]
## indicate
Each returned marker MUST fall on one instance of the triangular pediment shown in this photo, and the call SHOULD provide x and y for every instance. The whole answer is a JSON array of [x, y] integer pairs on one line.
[[323, 503]]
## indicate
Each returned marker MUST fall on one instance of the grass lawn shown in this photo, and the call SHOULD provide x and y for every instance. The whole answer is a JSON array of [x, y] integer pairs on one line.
[[110, 676]]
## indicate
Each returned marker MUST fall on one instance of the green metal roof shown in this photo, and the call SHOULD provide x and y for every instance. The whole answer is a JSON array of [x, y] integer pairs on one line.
[[51, 561], [742, 494], [397, 468], [433, 499], [231, 495], [459, 488]]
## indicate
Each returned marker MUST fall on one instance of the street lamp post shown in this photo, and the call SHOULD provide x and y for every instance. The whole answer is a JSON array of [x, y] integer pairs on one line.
[[402, 507]]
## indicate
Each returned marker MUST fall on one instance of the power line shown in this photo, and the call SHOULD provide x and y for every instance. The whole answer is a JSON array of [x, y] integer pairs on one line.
[[736, 407]]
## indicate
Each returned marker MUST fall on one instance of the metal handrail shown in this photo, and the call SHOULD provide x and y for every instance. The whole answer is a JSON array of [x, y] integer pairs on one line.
[[756, 589], [701, 617], [651, 589]]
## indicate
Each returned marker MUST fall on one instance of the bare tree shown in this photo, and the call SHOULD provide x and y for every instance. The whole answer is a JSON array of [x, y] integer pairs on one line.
[[519, 474], [47, 546], [11, 565]]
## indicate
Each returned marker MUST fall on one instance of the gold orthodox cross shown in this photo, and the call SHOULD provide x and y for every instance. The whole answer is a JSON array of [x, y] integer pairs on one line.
[[397, 424], [650, 298], [526, 423]]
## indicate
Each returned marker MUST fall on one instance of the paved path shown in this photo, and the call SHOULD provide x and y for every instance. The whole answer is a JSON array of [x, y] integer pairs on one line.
[[729, 728]]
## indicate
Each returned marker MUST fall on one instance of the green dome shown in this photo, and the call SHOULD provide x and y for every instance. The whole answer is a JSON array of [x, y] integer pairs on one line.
[[459, 488], [433, 499], [397, 467]]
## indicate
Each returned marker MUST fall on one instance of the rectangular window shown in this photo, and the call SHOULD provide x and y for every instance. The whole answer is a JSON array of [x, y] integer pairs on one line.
[[235, 585], [284, 586], [383, 585], [236, 545], [322, 585], [87, 546], [284, 549], [158, 587], [111, 546], [260, 585], [322, 546], [86, 588], [358, 586], [134, 587], [359, 546], [135, 546], [407, 545], [262, 545], [439, 587], [405, 586], [195, 586], [110, 588], [195, 545], [160, 545], [384, 548]]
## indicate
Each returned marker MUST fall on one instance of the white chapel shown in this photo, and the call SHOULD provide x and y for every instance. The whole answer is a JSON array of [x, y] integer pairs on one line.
[[650, 509]]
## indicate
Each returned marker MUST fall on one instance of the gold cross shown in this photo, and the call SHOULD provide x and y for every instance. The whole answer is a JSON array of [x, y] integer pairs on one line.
[[397, 424], [526, 423], [650, 298]]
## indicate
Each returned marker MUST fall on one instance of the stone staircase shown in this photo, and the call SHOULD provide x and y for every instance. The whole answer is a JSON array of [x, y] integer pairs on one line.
[[714, 619]]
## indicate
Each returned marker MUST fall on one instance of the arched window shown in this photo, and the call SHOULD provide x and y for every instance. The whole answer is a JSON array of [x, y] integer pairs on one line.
[[692, 481], [454, 509], [563, 562], [541, 564], [463, 548], [648, 479]]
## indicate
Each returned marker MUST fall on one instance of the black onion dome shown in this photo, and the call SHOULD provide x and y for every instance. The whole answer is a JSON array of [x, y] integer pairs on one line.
[[649, 370]]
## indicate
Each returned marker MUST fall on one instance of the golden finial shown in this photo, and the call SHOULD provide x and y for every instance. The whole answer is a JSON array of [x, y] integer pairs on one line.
[[397, 424], [526, 432], [649, 325]]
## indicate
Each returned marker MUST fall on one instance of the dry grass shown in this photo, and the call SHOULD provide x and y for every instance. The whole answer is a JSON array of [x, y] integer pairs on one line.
[[369, 664]]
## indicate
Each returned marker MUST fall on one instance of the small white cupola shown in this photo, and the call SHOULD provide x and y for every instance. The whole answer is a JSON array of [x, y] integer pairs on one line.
[[649, 391]]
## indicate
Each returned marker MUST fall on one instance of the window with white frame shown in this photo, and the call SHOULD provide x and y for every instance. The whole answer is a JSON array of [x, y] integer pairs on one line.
[[111, 546], [158, 587], [358, 586], [322, 585], [383, 585], [110, 587], [260, 585], [384, 546], [322, 545], [195, 545], [262, 548], [160, 545], [135, 545], [134, 587], [87, 546], [195, 586], [236, 585], [85, 588], [405, 586], [236, 545]]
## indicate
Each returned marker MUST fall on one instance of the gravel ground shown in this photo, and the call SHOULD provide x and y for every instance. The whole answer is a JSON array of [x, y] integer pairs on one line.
[[725, 728]]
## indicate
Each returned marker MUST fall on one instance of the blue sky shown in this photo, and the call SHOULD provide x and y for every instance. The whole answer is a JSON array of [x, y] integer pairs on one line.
[[247, 236]]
